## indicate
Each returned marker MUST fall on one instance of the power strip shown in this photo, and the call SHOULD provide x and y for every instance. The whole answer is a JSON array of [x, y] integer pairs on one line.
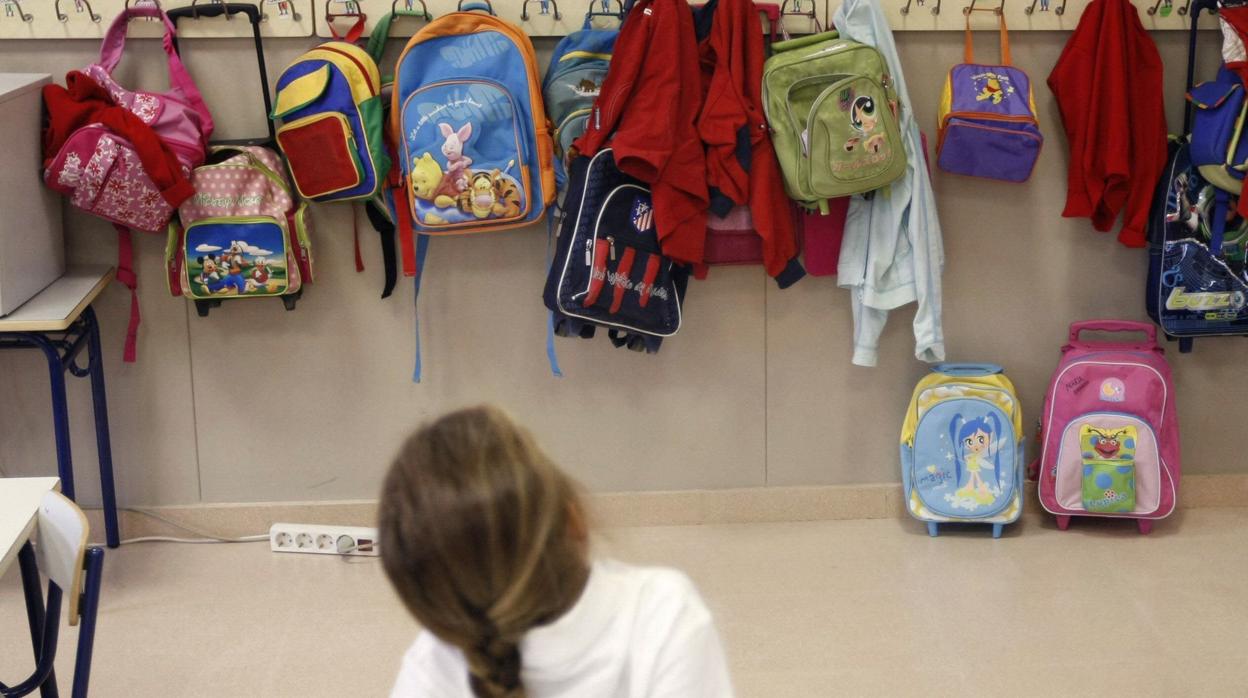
[[323, 540]]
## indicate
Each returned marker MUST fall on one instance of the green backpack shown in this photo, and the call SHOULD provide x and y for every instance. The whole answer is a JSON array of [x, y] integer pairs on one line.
[[833, 115]]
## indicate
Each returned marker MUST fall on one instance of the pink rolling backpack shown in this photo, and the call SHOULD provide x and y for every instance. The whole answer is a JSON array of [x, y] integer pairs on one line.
[[1109, 432]]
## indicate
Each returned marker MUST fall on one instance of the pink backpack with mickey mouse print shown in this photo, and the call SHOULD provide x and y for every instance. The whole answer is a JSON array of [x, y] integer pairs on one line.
[[242, 234], [1109, 430]]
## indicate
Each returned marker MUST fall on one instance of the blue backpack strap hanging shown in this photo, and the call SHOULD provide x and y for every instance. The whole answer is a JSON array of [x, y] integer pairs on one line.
[[551, 355]]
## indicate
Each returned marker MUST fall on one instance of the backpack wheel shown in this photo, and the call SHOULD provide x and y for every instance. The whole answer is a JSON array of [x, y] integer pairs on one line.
[[1145, 525], [290, 300], [1185, 345], [933, 529], [1063, 522], [202, 307], [996, 530]]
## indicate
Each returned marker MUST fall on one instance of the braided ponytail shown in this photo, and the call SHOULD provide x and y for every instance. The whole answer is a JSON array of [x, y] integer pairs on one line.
[[482, 537]]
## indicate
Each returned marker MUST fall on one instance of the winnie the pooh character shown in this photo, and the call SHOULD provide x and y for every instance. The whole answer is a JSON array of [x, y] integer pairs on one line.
[[428, 183], [992, 90]]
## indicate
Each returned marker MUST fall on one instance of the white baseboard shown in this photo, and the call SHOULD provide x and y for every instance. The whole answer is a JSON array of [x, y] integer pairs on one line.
[[618, 509]]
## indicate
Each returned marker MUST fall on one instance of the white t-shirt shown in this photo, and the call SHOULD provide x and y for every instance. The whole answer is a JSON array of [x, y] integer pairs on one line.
[[636, 632]]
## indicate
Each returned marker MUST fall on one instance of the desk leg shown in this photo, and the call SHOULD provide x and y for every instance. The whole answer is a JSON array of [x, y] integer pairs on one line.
[[35, 612], [102, 440], [60, 412]]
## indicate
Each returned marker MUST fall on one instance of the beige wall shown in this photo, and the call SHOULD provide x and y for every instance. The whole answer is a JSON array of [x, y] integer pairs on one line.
[[254, 403]]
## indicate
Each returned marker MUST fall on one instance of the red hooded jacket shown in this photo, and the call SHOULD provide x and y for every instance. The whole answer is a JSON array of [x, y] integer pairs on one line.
[[1108, 88], [648, 106], [741, 166]]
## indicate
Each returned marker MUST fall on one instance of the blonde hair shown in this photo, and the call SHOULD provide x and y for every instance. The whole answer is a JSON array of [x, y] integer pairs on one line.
[[483, 538]]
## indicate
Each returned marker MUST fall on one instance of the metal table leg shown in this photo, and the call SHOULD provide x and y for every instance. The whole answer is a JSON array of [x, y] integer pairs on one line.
[[103, 442]]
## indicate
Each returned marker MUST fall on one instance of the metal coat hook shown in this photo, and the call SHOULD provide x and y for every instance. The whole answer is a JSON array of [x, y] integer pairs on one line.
[[906, 9], [1153, 10], [797, 11], [62, 17], [353, 10], [409, 12], [489, 6], [545, 9], [998, 10], [195, 9], [1186, 6], [8, 10], [606, 9]]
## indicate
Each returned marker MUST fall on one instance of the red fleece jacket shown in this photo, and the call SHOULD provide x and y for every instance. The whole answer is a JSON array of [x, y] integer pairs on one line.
[[732, 116], [648, 106], [1108, 88], [84, 101]]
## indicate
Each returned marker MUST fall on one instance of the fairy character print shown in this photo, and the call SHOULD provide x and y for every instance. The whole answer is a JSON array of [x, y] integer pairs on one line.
[[976, 449], [864, 119]]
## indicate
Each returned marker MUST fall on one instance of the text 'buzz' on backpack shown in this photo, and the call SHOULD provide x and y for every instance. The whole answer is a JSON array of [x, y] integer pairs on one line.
[[329, 103], [242, 234], [470, 128], [832, 109], [573, 80], [962, 448]]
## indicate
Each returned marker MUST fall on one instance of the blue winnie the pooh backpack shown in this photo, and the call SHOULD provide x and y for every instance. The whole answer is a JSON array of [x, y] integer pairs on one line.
[[962, 448], [573, 80], [470, 128]]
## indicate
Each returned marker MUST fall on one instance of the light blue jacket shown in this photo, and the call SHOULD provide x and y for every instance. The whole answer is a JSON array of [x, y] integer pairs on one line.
[[892, 253]]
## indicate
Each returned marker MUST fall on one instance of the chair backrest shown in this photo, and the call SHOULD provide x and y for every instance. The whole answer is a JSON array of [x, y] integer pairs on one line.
[[62, 544]]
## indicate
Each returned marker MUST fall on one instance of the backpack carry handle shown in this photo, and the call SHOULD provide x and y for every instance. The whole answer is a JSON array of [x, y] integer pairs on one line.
[[476, 6], [115, 42], [968, 50], [967, 369], [799, 42], [1147, 328], [1197, 7]]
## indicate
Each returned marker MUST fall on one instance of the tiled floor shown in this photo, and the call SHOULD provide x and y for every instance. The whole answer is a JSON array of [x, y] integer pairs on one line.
[[839, 608]]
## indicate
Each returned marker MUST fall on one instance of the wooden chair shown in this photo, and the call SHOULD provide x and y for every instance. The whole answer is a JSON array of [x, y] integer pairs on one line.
[[72, 567]]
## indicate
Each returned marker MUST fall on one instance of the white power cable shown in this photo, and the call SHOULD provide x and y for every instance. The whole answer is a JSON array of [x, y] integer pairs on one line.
[[206, 536]]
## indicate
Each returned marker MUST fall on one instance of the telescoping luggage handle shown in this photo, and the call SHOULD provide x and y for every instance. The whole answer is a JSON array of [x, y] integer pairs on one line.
[[1148, 329], [214, 9], [968, 51], [967, 370]]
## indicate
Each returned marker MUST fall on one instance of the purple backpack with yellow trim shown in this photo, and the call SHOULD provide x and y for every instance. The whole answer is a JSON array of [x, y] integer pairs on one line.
[[988, 125]]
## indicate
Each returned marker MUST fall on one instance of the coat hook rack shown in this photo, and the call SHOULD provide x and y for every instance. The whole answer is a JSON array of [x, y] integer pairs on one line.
[[78, 5], [545, 9], [291, 4]]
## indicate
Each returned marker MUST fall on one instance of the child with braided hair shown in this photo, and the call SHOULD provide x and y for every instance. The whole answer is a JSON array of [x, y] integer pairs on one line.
[[485, 540]]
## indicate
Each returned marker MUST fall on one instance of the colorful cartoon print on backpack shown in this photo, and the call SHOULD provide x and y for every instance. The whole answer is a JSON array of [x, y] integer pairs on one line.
[[992, 86], [976, 456], [864, 120], [224, 267], [463, 144], [1108, 468]]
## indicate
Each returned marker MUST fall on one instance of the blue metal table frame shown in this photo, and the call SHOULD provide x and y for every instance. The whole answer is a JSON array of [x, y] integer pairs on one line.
[[62, 348]]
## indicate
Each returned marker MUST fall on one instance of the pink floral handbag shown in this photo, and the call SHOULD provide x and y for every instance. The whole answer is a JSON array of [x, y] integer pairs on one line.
[[99, 169]]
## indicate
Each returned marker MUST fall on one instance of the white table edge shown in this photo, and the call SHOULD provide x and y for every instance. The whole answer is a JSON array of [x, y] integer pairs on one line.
[[27, 530], [10, 323]]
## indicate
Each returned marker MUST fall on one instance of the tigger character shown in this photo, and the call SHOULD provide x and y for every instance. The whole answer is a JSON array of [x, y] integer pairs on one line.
[[490, 194]]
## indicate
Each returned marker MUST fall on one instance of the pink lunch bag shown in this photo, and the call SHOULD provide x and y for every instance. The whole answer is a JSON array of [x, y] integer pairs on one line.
[[1110, 435], [99, 170]]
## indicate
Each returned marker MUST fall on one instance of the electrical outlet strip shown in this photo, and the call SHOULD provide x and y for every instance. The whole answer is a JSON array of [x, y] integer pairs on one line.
[[323, 540]]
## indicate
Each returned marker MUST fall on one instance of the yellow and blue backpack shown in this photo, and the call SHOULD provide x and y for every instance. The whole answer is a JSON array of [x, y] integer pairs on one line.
[[329, 102], [962, 448]]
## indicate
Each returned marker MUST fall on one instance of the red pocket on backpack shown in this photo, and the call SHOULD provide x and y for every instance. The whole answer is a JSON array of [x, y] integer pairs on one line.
[[322, 154]]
